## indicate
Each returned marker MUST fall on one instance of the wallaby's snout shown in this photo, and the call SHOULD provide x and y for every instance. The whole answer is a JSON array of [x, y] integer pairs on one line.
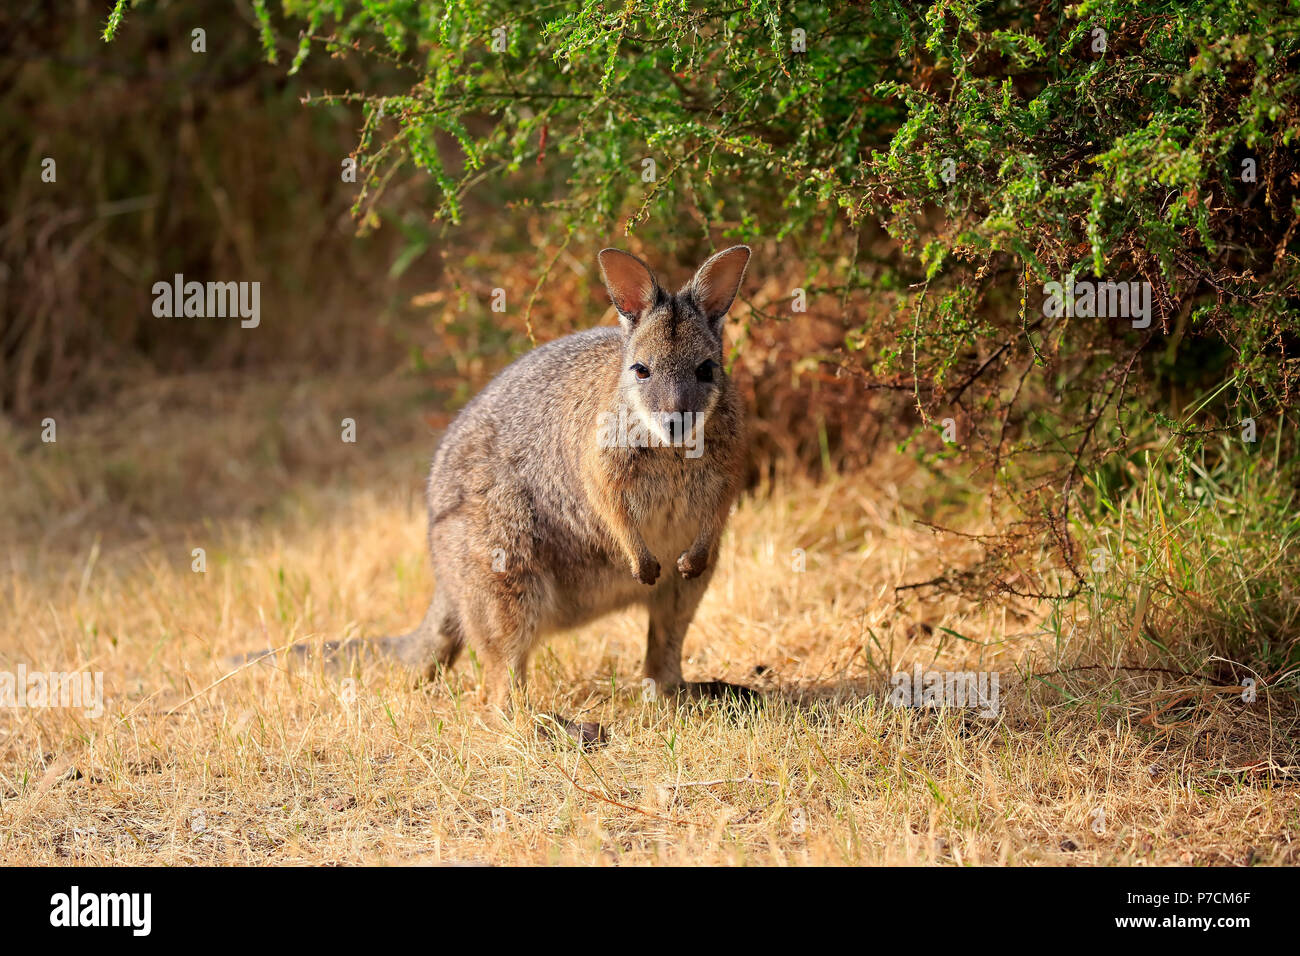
[[681, 389], [675, 424]]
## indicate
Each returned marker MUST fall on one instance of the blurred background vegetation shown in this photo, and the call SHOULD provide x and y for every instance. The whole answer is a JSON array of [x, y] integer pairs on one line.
[[915, 173], [170, 161]]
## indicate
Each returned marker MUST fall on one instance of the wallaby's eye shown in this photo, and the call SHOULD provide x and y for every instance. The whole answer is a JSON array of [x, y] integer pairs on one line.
[[705, 372], [641, 371]]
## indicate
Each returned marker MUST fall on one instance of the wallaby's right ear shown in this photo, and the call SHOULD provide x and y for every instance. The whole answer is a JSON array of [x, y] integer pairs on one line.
[[630, 283]]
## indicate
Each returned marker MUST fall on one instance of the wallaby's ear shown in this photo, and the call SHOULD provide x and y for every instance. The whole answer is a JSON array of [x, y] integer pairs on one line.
[[715, 285], [630, 283]]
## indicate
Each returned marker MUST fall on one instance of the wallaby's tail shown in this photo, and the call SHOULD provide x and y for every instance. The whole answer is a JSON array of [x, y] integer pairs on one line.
[[433, 645]]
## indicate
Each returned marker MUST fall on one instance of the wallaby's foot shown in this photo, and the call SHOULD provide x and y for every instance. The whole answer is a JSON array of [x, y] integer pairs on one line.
[[586, 733]]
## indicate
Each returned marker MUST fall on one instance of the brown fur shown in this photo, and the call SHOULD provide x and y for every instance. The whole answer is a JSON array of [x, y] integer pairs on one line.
[[534, 527]]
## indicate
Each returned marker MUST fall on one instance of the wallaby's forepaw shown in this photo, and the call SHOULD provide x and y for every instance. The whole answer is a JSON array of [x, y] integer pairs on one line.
[[646, 570], [692, 565]]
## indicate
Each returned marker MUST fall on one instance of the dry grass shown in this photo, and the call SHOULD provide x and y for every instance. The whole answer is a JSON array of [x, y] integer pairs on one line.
[[308, 539]]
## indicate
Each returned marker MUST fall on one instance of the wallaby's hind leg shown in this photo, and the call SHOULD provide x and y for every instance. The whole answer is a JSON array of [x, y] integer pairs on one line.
[[506, 678], [672, 607], [501, 631], [486, 555], [502, 628]]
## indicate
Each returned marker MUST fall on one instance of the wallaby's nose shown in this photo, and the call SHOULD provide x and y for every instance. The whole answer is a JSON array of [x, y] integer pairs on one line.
[[675, 426]]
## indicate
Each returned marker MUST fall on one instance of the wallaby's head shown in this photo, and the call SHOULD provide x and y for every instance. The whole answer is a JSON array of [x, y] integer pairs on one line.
[[672, 375]]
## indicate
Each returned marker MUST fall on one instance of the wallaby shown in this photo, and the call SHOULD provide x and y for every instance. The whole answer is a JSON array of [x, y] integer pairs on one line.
[[562, 489]]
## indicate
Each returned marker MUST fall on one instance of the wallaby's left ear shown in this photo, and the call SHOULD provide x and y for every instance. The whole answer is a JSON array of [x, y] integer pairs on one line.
[[716, 283], [631, 285]]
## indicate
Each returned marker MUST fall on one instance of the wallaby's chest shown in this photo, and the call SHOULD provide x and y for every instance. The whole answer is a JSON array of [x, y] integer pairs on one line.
[[668, 495]]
